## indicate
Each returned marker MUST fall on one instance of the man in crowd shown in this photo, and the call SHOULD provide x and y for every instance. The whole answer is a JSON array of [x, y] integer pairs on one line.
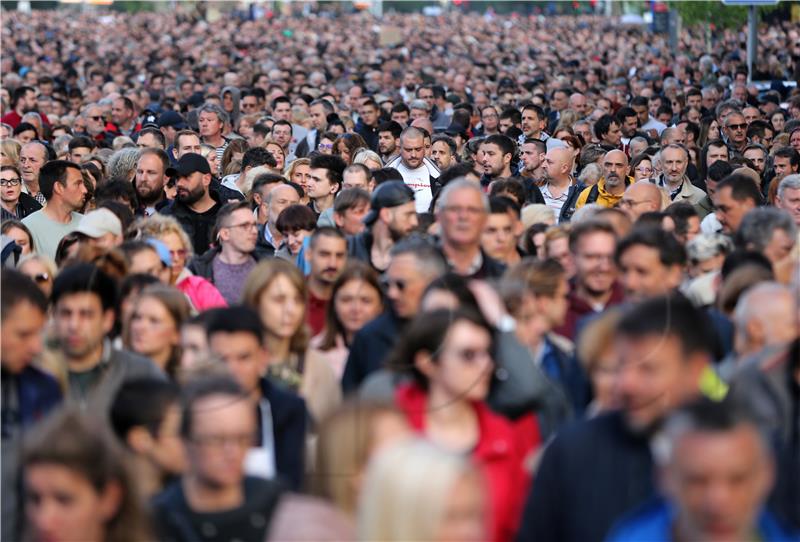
[[62, 185], [327, 256], [350, 209], [319, 111], [123, 115], [502, 230], [212, 119], [735, 195], [609, 189], [389, 140], [532, 155], [32, 157], [640, 198], [788, 196], [443, 151], [494, 157], [736, 131], [151, 179], [325, 182], [357, 176], [558, 181], [275, 201], [533, 122], [418, 171], [650, 262], [674, 160]]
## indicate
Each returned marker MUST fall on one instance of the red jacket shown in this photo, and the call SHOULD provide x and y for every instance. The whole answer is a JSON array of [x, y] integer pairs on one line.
[[500, 455]]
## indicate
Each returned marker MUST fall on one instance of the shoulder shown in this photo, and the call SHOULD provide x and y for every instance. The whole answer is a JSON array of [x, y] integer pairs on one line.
[[134, 364], [651, 521]]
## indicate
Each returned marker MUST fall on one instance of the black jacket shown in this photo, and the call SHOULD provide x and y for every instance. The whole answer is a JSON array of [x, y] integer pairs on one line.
[[26, 205], [302, 150], [289, 417], [198, 226], [369, 134], [370, 347], [591, 474], [263, 248], [568, 209]]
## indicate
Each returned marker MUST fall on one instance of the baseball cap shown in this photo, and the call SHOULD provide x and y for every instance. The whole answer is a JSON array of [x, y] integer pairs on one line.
[[163, 252], [188, 164], [386, 195], [99, 222], [172, 118]]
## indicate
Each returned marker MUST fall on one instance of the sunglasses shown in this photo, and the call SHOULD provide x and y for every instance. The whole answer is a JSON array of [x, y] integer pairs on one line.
[[737, 126], [400, 284], [97, 118]]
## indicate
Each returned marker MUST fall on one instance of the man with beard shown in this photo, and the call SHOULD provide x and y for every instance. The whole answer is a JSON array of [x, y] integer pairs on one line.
[[23, 101], [674, 160], [494, 157], [388, 140], [609, 189], [597, 470], [392, 216], [418, 171], [327, 256], [195, 206], [532, 154], [150, 180]]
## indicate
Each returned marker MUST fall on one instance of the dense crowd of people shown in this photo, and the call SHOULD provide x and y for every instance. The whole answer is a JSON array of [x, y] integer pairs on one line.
[[323, 277]]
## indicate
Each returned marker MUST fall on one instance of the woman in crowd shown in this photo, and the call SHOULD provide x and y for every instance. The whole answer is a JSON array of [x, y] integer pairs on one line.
[[295, 223], [77, 484], [166, 229], [41, 269], [449, 355], [414, 490], [299, 172], [356, 299], [9, 152], [277, 152], [642, 167], [154, 329], [234, 151], [277, 291], [368, 158], [21, 235], [347, 145]]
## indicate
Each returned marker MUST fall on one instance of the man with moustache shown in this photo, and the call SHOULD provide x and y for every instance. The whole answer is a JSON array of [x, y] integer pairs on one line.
[[150, 180], [609, 189], [327, 256]]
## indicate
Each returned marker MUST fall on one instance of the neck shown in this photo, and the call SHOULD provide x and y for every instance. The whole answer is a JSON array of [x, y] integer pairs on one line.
[[231, 256], [451, 421], [10, 206], [594, 298], [87, 361], [151, 201], [512, 256], [506, 172], [559, 182], [324, 203], [32, 186], [673, 186], [460, 256], [278, 348], [161, 358], [203, 204], [321, 290], [148, 475], [56, 210], [214, 141], [204, 498]]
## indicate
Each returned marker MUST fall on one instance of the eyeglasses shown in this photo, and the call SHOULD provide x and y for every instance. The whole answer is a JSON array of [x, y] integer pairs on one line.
[[400, 284], [97, 118], [242, 440], [737, 126], [11, 182], [325, 146], [244, 226]]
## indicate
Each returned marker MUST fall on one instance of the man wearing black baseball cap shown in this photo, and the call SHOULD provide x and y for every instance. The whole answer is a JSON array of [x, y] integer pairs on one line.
[[195, 205], [392, 216]]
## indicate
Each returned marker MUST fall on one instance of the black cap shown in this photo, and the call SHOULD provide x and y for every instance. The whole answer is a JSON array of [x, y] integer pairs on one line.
[[386, 195], [188, 164], [172, 118]]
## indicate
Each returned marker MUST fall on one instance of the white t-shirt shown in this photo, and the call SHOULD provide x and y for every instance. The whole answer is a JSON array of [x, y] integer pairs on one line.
[[419, 179]]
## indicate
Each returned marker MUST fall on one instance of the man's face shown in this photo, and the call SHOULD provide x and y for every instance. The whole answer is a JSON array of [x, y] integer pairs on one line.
[[282, 111], [654, 377], [757, 157], [282, 134], [719, 481], [401, 117], [531, 157], [427, 95], [81, 324], [242, 353], [355, 179], [327, 257], [789, 202], [73, 191], [95, 121], [210, 125], [560, 101], [387, 144], [120, 115], [31, 159], [11, 186], [642, 113], [673, 163], [630, 125], [751, 114], [779, 246], [729, 211], [614, 134], [351, 222], [412, 151], [318, 117], [21, 334], [584, 131], [249, 104], [280, 197], [369, 115], [400, 220], [418, 114], [594, 262], [736, 128], [716, 153], [615, 168], [531, 123], [498, 239], [192, 188], [441, 154], [492, 159], [463, 218], [782, 165], [240, 231], [187, 144], [76, 155], [150, 178], [318, 184], [694, 101], [644, 276], [28, 102], [223, 430], [505, 124], [405, 285], [148, 141]]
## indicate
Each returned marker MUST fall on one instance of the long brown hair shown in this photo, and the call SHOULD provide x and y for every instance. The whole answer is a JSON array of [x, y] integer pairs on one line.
[[84, 444], [355, 270]]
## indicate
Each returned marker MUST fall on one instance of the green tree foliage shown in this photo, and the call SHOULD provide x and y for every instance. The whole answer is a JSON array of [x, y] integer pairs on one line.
[[713, 12]]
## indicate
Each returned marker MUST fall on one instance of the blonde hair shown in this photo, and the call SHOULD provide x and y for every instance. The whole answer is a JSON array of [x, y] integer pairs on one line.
[[11, 148], [406, 489], [597, 337], [157, 226], [261, 277], [288, 171]]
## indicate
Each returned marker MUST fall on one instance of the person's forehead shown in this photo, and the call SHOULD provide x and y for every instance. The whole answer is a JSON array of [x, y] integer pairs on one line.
[[412, 140], [8, 174]]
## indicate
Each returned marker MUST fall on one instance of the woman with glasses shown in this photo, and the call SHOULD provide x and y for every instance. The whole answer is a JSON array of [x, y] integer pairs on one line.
[[14, 203], [449, 356], [277, 290], [642, 167], [202, 294]]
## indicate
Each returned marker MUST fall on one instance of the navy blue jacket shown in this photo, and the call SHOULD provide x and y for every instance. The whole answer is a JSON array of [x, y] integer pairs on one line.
[[370, 347], [289, 417]]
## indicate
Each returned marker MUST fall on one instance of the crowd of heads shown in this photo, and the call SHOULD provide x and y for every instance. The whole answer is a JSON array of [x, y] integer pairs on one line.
[[314, 276]]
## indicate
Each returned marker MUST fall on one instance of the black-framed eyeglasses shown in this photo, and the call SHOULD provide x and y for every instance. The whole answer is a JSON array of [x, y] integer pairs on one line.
[[737, 126], [10, 182], [96, 117]]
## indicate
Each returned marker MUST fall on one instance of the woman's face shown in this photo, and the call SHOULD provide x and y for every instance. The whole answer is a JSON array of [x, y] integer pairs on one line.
[[464, 364], [21, 238], [154, 333], [281, 308], [778, 122], [177, 250], [356, 303], [464, 515], [301, 175], [713, 130], [294, 240], [61, 504], [245, 129], [344, 152], [211, 158], [39, 274], [325, 146], [644, 170], [5, 160], [277, 152], [337, 129]]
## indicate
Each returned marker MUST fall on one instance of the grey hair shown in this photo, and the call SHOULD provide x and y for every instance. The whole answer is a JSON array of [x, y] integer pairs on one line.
[[209, 107], [759, 225], [586, 213], [790, 181], [708, 245], [455, 185], [590, 172], [122, 164], [638, 139], [430, 260], [419, 104], [756, 303]]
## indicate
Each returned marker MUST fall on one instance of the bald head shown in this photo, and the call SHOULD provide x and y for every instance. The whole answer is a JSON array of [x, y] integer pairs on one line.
[[642, 197], [558, 163], [423, 123], [767, 314], [578, 103]]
